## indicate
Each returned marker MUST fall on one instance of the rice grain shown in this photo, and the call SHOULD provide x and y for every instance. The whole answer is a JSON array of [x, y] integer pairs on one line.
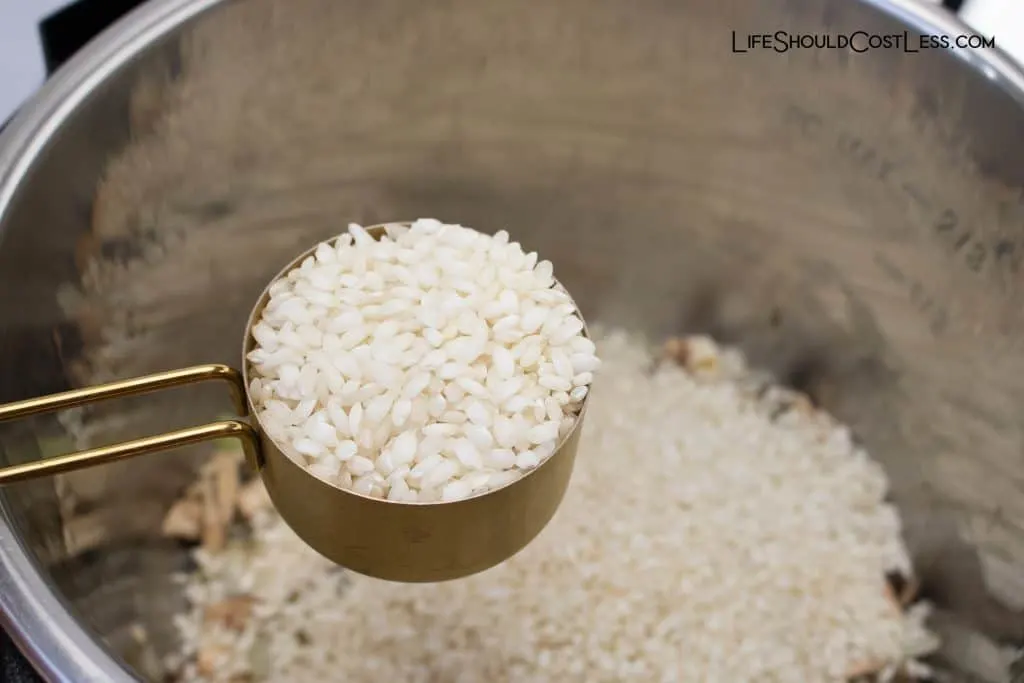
[[703, 539], [370, 345]]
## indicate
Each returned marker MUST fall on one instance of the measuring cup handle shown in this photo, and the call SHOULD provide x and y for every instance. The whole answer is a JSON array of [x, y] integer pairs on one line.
[[150, 444]]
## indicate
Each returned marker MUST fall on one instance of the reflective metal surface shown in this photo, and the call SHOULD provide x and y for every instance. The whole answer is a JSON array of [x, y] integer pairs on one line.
[[103, 455], [853, 221]]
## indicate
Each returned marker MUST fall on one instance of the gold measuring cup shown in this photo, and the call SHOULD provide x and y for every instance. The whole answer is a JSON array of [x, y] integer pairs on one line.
[[397, 541]]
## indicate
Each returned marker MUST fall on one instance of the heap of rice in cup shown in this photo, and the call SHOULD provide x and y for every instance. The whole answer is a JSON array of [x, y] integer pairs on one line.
[[430, 365]]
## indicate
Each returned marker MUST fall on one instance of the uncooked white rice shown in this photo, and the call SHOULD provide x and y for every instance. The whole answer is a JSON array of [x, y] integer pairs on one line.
[[433, 364], [703, 539]]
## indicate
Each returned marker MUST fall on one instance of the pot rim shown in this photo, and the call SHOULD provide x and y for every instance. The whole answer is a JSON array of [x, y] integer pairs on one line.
[[40, 622]]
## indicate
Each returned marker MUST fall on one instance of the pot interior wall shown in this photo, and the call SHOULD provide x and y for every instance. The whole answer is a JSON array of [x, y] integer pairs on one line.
[[853, 221]]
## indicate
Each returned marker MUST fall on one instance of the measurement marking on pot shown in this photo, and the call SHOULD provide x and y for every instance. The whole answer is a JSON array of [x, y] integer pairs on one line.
[[866, 156], [923, 301], [975, 251], [851, 146], [964, 243], [863, 155], [805, 120]]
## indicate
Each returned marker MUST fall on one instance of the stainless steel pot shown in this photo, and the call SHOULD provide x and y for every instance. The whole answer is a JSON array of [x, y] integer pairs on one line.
[[851, 218]]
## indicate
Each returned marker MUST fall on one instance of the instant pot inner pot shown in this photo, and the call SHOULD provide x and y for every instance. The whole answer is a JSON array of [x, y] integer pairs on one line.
[[852, 221]]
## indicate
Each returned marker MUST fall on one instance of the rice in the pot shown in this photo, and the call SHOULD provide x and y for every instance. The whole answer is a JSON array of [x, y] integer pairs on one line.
[[707, 536], [433, 364]]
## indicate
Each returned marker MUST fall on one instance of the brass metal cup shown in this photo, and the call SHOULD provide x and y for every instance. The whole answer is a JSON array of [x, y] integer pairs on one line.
[[397, 541]]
